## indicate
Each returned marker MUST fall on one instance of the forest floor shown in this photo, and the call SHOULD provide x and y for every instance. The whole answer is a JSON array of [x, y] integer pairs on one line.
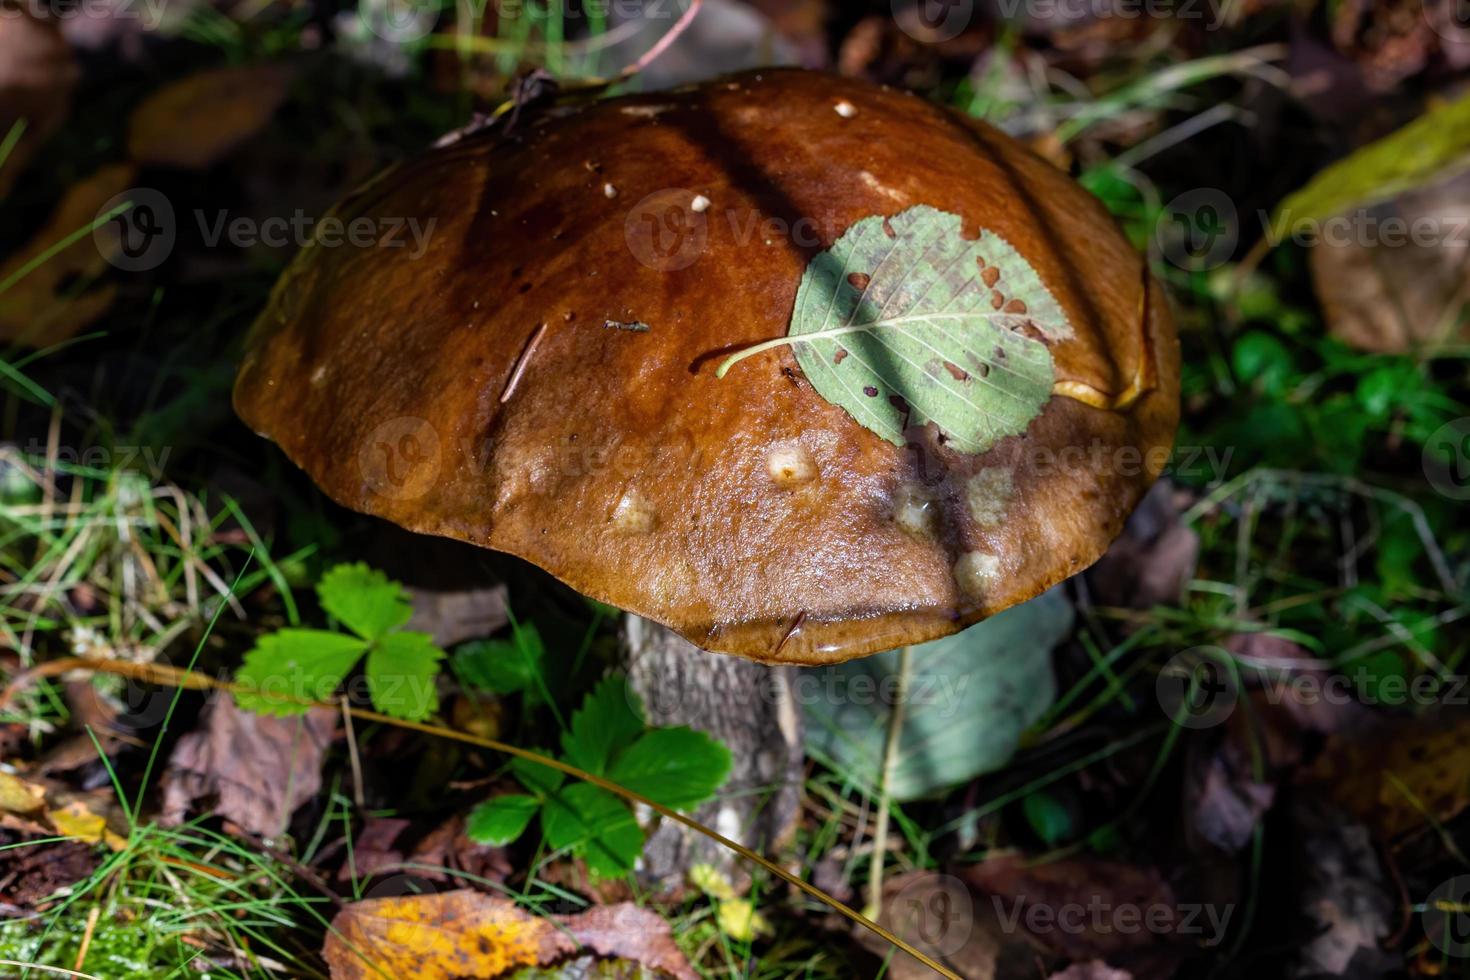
[[1307, 552]]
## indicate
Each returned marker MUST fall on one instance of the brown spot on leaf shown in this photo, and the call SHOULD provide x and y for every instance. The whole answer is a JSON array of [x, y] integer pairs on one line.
[[870, 391], [1015, 306], [991, 275], [956, 372], [996, 299], [888, 229], [840, 355], [859, 280]]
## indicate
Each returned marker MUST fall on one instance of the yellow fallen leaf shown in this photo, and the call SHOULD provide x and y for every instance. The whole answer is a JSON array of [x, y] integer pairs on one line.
[[712, 881], [76, 820], [740, 921], [194, 122], [1401, 779], [20, 797], [466, 933], [1434, 146], [438, 937]]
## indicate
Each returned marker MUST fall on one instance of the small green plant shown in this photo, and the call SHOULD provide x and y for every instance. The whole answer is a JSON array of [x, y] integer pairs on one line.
[[510, 666], [608, 737], [310, 664]]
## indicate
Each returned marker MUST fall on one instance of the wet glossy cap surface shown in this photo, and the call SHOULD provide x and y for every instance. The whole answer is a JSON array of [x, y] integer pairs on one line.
[[628, 246]]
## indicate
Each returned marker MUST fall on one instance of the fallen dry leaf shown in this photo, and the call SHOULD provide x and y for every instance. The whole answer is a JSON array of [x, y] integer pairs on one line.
[[42, 806], [1390, 296], [1152, 560], [20, 797], [1091, 970], [35, 310], [1074, 907], [198, 120], [37, 76], [939, 916], [452, 616], [1344, 897], [469, 934], [1397, 778], [448, 847], [258, 769], [372, 850], [77, 819]]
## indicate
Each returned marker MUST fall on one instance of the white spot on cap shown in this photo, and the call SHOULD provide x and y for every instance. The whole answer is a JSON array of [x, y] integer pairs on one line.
[[874, 184], [610, 191], [913, 510], [977, 574], [646, 111], [319, 374], [790, 465], [988, 494], [699, 204], [634, 514], [845, 109]]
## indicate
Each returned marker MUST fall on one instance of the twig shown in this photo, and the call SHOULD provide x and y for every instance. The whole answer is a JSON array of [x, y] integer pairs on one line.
[[87, 936], [521, 362], [890, 754], [352, 757], [663, 44]]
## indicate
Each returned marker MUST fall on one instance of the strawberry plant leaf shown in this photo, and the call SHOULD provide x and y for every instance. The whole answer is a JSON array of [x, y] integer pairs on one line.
[[594, 823], [400, 673], [502, 666], [539, 779], [500, 820], [904, 321], [295, 663], [608, 722], [364, 600], [677, 767]]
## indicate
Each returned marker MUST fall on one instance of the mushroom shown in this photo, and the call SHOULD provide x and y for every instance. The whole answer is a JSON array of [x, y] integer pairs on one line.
[[549, 378]]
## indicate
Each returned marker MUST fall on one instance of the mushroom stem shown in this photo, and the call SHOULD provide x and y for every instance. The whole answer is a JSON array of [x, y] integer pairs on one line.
[[752, 709], [890, 756]]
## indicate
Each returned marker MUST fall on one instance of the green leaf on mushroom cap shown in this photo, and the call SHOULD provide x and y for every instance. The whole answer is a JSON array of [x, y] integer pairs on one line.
[[905, 321]]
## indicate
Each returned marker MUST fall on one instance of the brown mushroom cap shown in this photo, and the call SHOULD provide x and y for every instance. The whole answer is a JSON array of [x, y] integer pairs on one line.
[[613, 254]]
